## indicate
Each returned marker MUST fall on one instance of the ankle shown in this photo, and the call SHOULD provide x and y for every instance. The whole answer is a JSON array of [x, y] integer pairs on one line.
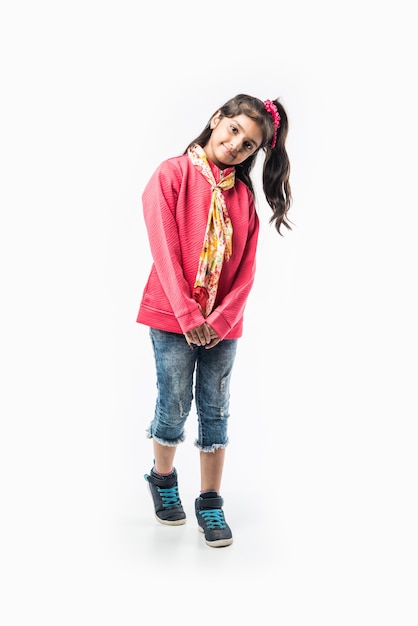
[[154, 469]]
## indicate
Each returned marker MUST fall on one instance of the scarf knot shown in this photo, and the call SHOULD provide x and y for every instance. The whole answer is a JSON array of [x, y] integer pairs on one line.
[[217, 243]]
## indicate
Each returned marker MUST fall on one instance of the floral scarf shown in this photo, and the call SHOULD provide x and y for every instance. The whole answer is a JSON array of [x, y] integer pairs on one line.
[[217, 244]]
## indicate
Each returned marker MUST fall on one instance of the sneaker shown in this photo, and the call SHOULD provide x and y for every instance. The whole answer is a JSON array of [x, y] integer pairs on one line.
[[211, 520], [165, 493]]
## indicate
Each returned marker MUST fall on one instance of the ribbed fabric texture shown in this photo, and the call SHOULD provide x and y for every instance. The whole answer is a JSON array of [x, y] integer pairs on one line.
[[175, 205]]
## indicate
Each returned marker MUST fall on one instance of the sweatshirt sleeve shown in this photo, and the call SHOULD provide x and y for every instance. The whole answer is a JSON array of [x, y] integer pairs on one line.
[[159, 208], [231, 309]]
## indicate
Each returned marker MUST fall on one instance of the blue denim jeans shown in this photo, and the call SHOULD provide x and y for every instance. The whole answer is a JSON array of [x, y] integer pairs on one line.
[[177, 367]]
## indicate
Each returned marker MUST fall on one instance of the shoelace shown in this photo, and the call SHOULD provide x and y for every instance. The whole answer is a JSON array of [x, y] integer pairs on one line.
[[214, 518], [170, 497]]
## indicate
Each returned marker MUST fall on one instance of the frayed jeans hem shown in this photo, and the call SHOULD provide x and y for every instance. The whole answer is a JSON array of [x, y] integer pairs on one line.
[[212, 448], [164, 442]]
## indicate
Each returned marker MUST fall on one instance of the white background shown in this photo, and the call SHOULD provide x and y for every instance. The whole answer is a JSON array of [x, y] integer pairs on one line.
[[321, 475]]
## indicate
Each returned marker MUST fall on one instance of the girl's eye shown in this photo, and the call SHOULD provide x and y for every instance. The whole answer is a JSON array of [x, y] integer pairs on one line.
[[234, 130], [248, 145]]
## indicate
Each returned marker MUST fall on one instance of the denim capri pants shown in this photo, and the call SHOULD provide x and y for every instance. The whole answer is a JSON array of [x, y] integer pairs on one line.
[[177, 367]]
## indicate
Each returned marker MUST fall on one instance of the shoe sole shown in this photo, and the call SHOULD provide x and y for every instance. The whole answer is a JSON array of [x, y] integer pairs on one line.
[[175, 522], [218, 543]]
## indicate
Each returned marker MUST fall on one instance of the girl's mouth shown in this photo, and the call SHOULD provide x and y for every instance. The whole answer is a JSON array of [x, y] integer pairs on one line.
[[228, 152]]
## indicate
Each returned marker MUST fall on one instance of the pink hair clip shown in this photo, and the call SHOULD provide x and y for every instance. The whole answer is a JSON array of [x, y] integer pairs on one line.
[[272, 109]]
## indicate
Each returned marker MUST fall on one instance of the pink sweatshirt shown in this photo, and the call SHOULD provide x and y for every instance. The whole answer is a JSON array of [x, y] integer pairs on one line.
[[176, 204]]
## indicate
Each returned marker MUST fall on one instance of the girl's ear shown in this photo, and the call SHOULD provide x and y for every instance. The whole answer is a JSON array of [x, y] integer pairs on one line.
[[215, 120]]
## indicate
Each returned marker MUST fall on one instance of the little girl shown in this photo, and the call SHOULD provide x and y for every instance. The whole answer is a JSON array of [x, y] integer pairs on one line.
[[203, 227]]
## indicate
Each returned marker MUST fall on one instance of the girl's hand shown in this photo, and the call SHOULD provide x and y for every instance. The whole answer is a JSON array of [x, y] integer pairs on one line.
[[198, 336], [202, 335], [214, 338]]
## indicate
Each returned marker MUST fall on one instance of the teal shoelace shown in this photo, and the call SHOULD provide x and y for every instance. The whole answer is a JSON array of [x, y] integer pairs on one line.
[[214, 518], [170, 497]]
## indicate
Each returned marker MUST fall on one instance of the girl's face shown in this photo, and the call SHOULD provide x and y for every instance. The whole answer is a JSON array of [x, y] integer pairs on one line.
[[233, 140]]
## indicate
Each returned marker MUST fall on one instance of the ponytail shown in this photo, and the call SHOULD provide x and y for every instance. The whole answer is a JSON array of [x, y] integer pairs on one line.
[[276, 174]]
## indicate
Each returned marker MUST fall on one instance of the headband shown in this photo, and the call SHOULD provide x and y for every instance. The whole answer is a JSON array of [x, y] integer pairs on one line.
[[272, 109]]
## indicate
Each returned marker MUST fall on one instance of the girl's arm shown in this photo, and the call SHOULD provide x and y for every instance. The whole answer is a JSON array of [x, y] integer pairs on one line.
[[227, 313], [159, 203]]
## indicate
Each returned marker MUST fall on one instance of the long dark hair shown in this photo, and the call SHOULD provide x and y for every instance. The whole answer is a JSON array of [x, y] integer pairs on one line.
[[276, 167]]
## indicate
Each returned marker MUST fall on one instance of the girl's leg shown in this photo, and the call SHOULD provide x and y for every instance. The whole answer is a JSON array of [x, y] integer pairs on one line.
[[212, 402], [213, 376], [175, 363], [174, 367], [164, 457], [211, 468], [208, 506]]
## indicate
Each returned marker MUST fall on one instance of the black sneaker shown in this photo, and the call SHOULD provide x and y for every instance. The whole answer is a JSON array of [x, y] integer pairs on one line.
[[211, 520], [165, 493]]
